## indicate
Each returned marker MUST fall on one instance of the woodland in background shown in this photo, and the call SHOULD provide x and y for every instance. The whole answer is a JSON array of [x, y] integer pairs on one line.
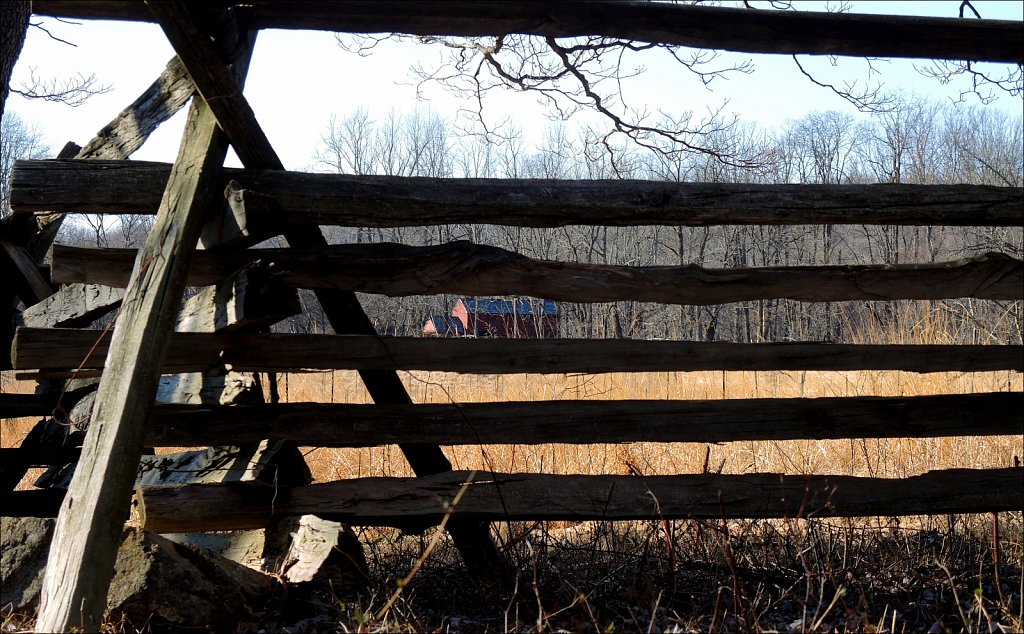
[[918, 141]]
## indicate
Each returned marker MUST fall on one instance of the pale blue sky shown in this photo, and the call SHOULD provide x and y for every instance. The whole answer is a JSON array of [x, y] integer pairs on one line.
[[294, 99]]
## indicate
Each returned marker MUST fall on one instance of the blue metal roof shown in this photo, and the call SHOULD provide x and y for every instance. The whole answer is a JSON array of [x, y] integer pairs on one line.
[[447, 325], [496, 306]]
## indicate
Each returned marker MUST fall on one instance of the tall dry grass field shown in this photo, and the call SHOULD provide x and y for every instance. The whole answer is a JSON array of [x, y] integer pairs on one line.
[[871, 457]]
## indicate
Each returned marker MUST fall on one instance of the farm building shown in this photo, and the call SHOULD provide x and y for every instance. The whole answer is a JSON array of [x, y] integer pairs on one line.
[[518, 318], [444, 326]]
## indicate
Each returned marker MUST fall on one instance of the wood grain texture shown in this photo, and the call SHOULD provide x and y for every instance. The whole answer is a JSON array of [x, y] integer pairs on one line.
[[133, 125], [55, 349], [469, 269], [92, 516], [75, 305], [748, 31], [534, 497], [393, 201], [586, 422]]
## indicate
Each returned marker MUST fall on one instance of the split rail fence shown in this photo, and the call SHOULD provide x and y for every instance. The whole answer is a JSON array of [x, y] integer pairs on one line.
[[228, 210]]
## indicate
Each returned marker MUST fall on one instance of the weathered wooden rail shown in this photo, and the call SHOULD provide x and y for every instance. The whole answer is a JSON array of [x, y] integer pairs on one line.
[[392, 201], [537, 422], [263, 200], [730, 29], [57, 349], [500, 497], [520, 496], [470, 269]]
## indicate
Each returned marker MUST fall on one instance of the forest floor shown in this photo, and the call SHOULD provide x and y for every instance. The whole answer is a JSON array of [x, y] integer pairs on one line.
[[884, 575]]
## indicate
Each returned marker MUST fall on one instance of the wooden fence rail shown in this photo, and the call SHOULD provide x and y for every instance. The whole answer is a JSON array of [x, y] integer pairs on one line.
[[471, 269], [348, 425], [496, 497], [573, 422], [791, 32], [515, 497], [392, 201], [59, 349], [21, 405]]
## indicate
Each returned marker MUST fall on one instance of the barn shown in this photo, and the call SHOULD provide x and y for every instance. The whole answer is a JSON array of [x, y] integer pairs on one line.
[[444, 326], [516, 318]]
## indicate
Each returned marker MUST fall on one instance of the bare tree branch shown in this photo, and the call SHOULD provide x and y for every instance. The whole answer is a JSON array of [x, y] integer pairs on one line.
[[983, 85], [868, 99], [71, 91], [567, 77]]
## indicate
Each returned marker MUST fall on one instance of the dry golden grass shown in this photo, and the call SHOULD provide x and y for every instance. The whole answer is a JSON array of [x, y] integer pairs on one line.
[[876, 457], [14, 430], [873, 457]]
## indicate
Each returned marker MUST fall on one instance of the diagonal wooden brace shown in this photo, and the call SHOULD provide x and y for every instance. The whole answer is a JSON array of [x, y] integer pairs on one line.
[[215, 84], [91, 519]]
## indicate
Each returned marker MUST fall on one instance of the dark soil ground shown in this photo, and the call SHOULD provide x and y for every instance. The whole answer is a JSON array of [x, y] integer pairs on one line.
[[919, 575], [937, 574]]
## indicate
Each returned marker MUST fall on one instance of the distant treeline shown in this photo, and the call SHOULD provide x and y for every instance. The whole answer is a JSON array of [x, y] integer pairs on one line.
[[918, 142]]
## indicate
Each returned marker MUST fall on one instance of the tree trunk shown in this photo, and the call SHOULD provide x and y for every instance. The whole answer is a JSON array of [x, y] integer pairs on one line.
[[14, 16]]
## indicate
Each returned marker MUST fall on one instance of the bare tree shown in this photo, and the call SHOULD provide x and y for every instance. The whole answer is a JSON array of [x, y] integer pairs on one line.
[[73, 91], [918, 141], [984, 81], [18, 140]]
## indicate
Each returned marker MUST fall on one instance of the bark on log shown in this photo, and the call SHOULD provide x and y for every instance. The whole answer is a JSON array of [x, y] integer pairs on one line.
[[54, 349], [74, 305], [470, 269], [536, 422], [392, 201], [780, 32], [533, 497], [133, 125]]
